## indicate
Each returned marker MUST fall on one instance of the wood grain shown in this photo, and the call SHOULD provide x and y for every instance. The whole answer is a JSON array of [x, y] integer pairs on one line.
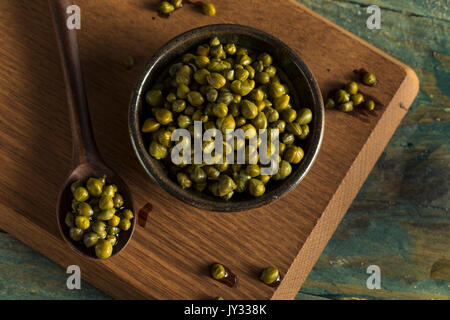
[[169, 257]]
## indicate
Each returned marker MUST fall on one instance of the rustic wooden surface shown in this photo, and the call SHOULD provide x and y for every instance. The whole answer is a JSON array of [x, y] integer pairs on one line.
[[91, 80]]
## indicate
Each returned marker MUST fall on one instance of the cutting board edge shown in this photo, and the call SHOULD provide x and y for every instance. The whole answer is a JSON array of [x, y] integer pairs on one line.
[[353, 181]]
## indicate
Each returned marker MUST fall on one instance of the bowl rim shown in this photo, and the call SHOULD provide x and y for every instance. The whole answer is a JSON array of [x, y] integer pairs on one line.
[[171, 187]]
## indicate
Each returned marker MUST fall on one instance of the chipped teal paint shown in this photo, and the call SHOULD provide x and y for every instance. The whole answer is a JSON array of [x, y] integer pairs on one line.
[[26, 274], [400, 218]]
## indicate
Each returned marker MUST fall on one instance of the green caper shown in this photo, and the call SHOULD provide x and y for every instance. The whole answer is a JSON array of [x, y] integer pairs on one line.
[[76, 234], [81, 194], [154, 98], [282, 102], [289, 115], [98, 226], [257, 94], [165, 7], [84, 209], [184, 180], [69, 220], [256, 187], [269, 275], [208, 9], [253, 170], [90, 239], [230, 48], [280, 125], [294, 128], [106, 202], [228, 123], [157, 150], [103, 249], [216, 80], [113, 230], [195, 98], [200, 76], [226, 185], [357, 99], [276, 90], [150, 125], [305, 131], [225, 97], [368, 78], [241, 74], [248, 109], [128, 62], [346, 107], [220, 110], [201, 62], [184, 121], [75, 185], [351, 87], [212, 95], [369, 105], [171, 97], [198, 175], [112, 239], [127, 214], [82, 222], [176, 3], [304, 116], [182, 91], [329, 103], [293, 154], [203, 50], [284, 170], [341, 96], [178, 105], [114, 221], [109, 190], [164, 116], [218, 271], [118, 200], [218, 52], [94, 186], [262, 77], [271, 71], [106, 214], [272, 115], [287, 138], [164, 138], [125, 224], [260, 121]]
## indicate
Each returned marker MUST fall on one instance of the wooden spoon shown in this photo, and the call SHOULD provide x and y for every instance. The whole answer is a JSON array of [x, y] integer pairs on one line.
[[86, 159]]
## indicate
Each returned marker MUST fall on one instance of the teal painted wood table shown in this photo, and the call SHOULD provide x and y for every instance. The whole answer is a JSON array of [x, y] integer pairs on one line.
[[400, 219]]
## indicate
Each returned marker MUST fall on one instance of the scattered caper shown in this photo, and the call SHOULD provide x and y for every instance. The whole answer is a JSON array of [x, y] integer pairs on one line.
[[369, 105], [351, 87], [208, 9], [368, 78], [270, 275], [346, 107], [357, 99]]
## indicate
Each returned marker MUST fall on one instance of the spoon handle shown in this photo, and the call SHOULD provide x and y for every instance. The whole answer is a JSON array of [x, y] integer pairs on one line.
[[84, 146]]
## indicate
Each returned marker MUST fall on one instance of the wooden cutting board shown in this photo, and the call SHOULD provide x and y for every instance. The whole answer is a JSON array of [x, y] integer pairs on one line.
[[168, 258]]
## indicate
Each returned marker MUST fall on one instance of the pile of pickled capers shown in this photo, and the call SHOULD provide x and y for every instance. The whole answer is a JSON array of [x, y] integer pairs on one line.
[[169, 6], [226, 87], [98, 215], [347, 98]]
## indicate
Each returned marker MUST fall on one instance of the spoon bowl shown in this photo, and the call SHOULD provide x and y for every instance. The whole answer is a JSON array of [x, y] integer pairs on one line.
[[84, 172]]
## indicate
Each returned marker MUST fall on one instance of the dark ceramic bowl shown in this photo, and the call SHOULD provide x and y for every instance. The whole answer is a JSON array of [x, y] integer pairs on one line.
[[304, 91]]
